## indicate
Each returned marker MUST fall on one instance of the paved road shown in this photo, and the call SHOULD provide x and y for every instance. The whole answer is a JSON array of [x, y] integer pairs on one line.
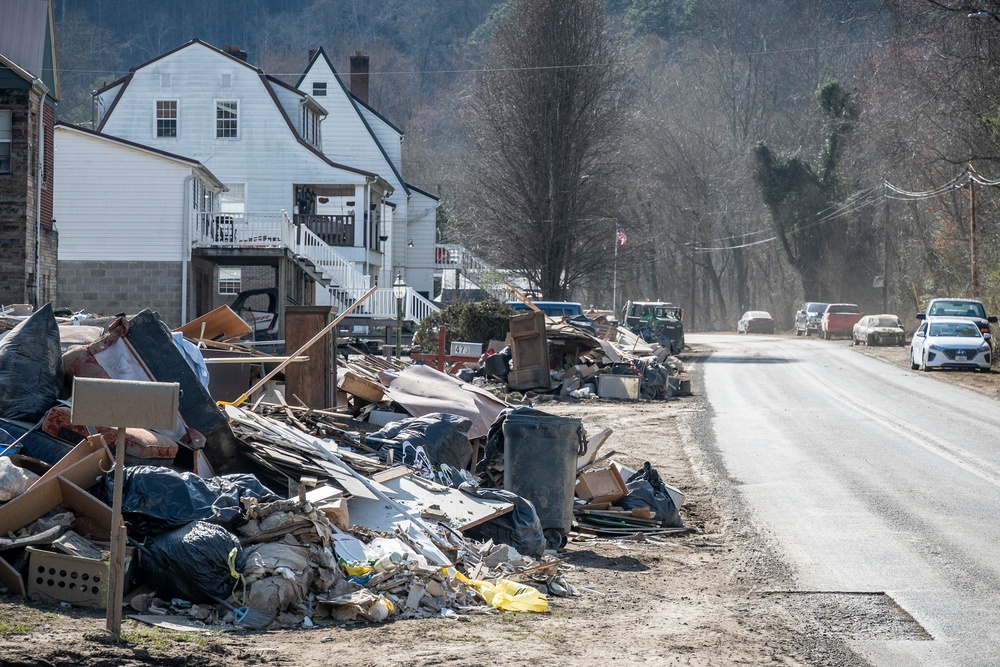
[[871, 478]]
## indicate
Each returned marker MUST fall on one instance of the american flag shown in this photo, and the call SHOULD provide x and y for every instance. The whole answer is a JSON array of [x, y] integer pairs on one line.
[[620, 235]]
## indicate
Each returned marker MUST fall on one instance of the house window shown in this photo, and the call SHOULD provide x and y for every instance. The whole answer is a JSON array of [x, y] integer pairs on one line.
[[5, 140], [230, 280], [310, 126], [166, 118], [319, 88], [226, 118]]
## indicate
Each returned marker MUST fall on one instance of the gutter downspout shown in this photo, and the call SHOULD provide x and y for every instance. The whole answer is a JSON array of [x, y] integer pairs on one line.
[[39, 179], [186, 245]]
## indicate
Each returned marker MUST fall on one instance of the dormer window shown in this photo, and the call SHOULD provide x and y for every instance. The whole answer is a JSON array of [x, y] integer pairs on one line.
[[319, 88]]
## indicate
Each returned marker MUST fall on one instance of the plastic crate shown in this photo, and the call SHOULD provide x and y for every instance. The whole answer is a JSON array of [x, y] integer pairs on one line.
[[82, 582]]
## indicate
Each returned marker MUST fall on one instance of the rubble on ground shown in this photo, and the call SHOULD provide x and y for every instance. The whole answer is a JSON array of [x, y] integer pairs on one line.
[[397, 501]]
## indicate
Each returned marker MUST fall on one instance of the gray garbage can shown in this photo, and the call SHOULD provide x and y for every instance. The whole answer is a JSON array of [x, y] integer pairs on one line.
[[539, 460]]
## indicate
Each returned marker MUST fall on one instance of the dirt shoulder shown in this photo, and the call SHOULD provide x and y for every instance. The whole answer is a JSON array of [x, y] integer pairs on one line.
[[698, 600]]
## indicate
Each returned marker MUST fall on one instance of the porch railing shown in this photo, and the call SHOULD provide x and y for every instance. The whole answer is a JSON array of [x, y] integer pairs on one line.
[[335, 230], [258, 229], [276, 229], [470, 270], [338, 270]]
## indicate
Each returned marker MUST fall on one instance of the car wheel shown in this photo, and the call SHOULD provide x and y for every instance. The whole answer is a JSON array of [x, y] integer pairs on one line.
[[868, 340], [798, 332], [913, 365], [808, 333], [923, 364]]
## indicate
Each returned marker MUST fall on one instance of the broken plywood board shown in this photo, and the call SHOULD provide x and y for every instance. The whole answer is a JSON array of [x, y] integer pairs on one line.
[[463, 510]]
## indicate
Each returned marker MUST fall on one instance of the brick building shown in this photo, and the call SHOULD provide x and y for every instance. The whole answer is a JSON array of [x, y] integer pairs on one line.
[[29, 89]]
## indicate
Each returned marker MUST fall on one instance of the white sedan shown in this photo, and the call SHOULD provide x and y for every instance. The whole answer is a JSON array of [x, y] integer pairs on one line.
[[943, 342]]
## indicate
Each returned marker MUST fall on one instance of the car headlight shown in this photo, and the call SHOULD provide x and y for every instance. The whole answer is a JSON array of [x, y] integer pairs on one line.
[[935, 348], [985, 347]]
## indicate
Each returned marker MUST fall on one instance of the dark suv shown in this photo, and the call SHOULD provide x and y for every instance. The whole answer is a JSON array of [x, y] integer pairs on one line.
[[808, 317]]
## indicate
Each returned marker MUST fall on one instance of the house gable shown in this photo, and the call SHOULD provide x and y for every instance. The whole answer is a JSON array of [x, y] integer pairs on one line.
[[265, 150]]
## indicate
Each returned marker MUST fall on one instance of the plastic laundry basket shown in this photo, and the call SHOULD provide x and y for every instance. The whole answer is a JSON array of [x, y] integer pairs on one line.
[[540, 455]]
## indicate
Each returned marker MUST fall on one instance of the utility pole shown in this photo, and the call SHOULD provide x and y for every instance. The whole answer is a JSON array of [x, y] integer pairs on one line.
[[972, 235], [885, 251]]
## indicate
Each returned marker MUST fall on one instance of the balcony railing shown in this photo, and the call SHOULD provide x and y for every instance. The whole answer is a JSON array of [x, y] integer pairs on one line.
[[335, 230], [243, 230]]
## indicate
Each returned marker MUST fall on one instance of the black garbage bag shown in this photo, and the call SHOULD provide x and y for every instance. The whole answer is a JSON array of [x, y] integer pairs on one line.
[[646, 489], [194, 562], [444, 439], [520, 529], [157, 499], [31, 368], [498, 365]]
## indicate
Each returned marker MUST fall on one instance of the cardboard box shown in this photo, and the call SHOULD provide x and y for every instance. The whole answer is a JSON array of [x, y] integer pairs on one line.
[[82, 582], [625, 387], [603, 485], [41, 499]]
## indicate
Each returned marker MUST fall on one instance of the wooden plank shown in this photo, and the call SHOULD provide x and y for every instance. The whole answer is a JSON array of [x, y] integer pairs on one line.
[[222, 323]]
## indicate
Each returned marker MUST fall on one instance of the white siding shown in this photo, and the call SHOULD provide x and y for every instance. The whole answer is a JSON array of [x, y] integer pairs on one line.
[[420, 228], [266, 156], [103, 101], [389, 138], [117, 203]]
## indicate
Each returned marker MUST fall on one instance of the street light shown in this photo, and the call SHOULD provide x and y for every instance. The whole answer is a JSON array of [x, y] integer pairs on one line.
[[399, 291]]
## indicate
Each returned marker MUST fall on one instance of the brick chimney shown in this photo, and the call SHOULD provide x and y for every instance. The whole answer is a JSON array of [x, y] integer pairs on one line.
[[359, 76], [235, 52]]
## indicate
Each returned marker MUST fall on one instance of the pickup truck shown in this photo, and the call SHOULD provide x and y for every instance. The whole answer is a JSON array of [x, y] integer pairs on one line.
[[839, 320]]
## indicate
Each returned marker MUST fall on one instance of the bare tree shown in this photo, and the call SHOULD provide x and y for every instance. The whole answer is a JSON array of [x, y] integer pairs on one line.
[[546, 123]]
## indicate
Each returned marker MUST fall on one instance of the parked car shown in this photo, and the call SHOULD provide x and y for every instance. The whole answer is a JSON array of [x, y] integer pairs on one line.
[[949, 342], [755, 321], [808, 317], [879, 330], [838, 320], [969, 309]]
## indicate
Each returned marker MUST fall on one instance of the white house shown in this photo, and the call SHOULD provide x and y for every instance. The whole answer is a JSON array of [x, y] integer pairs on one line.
[[123, 211], [356, 134], [324, 227]]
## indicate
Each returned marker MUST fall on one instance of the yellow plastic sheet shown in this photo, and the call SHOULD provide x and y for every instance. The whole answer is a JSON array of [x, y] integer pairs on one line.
[[508, 595]]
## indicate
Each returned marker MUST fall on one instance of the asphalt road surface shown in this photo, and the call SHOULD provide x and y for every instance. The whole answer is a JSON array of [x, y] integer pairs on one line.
[[873, 480]]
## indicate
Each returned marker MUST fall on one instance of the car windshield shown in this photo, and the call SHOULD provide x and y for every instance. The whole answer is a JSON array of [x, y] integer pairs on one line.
[[957, 309], [954, 330], [887, 322], [816, 307]]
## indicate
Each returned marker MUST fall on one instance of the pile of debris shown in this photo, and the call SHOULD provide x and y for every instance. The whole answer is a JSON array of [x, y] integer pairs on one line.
[[417, 494], [578, 357]]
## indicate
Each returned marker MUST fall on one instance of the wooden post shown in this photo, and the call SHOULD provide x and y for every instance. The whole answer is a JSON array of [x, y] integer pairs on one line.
[[116, 582]]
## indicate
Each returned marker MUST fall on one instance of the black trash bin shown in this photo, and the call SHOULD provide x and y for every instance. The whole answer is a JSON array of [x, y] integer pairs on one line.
[[539, 460]]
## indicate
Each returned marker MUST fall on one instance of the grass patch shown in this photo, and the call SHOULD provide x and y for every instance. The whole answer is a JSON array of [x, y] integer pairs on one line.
[[19, 619], [161, 640]]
